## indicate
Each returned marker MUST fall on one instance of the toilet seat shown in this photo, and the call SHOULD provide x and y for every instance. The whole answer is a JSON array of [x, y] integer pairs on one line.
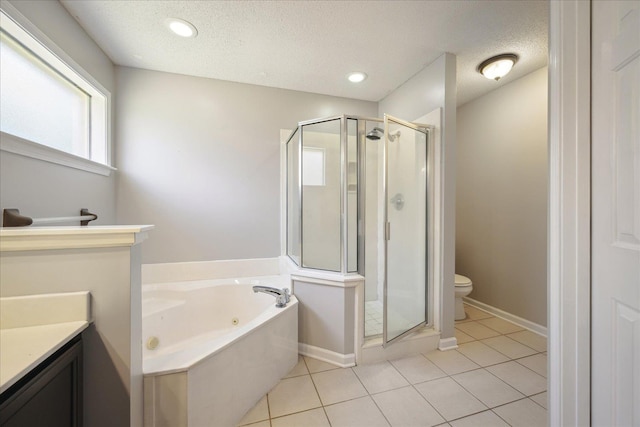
[[462, 281]]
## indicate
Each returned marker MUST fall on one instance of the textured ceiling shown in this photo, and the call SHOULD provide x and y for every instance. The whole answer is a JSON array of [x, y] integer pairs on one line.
[[311, 45]]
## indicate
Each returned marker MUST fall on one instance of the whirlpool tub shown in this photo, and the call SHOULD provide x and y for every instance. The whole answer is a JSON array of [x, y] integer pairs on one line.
[[213, 348]]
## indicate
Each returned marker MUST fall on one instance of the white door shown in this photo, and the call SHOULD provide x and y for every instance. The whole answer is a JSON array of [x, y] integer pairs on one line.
[[615, 316]]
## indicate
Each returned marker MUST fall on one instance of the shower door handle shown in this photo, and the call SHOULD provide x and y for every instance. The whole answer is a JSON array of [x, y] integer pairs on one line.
[[387, 231]]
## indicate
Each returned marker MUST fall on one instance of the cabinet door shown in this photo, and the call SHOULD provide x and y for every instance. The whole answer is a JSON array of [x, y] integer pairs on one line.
[[52, 397]]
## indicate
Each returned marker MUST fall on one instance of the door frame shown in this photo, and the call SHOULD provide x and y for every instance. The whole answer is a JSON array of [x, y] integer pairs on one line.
[[569, 229]]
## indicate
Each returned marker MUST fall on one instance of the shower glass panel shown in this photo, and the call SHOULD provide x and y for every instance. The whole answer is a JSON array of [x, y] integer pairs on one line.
[[357, 203], [293, 197], [321, 195], [405, 294]]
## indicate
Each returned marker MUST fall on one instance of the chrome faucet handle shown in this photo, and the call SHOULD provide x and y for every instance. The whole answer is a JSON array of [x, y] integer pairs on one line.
[[283, 298]]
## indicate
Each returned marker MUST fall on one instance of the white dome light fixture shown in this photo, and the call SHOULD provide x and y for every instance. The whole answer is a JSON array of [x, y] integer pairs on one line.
[[181, 27], [498, 66], [356, 76]]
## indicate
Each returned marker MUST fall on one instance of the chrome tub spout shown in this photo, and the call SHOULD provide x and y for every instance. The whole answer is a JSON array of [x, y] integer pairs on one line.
[[282, 295]]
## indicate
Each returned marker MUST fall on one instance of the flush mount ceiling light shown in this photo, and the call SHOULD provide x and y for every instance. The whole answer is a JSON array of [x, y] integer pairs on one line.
[[497, 67], [356, 76], [181, 27]]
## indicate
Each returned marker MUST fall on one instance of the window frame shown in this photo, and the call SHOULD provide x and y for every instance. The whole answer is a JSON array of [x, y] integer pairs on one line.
[[15, 25]]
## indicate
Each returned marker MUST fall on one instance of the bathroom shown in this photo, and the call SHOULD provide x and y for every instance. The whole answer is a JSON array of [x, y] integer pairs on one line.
[[177, 167]]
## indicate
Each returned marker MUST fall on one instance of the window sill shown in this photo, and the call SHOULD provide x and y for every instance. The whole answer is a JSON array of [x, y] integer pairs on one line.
[[26, 148]]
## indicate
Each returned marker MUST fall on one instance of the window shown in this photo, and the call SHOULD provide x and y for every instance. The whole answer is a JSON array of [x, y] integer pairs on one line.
[[313, 166], [51, 102]]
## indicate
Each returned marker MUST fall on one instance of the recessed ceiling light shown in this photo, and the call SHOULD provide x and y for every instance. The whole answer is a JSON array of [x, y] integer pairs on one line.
[[497, 67], [356, 76], [181, 27]]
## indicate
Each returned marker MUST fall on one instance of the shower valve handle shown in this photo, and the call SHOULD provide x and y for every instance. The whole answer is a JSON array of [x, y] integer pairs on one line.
[[397, 201]]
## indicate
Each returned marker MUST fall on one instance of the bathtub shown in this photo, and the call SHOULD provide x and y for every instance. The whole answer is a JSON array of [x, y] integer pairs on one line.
[[213, 348]]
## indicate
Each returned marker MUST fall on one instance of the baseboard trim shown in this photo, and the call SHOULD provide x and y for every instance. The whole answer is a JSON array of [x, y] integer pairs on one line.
[[448, 344], [524, 323], [338, 359]]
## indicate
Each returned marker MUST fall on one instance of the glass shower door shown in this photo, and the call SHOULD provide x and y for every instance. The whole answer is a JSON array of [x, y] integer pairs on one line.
[[405, 211]]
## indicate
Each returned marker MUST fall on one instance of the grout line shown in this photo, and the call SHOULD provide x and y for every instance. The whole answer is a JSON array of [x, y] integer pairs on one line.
[[537, 402], [269, 409], [497, 415], [372, 399]]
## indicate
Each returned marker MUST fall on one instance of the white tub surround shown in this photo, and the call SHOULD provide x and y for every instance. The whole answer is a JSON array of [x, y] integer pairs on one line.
[[34, 327], [104, 261], [208, 270], [213, 349]]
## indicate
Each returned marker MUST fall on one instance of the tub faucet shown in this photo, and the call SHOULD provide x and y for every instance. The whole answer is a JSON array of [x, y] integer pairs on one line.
[[282, 295]]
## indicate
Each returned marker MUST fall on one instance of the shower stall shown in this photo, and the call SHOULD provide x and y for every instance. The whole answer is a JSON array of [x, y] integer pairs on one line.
[[357, 192]]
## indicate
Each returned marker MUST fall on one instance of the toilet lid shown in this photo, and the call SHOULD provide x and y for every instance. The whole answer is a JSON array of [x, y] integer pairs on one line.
[[462, 280]]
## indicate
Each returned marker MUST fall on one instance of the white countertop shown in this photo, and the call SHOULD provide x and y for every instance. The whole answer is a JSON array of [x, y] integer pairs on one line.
[[22, 349], [73, 237], [33, 327]]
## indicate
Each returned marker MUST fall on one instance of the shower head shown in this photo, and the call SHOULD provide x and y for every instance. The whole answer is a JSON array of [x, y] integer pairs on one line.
[[377, 133], [394, 135]]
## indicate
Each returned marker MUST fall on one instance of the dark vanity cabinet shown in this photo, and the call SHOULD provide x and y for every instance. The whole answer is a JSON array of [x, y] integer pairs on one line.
[[50, 395]]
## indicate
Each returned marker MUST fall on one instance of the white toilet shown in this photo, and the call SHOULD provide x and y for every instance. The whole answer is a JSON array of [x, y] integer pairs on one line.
[[463, 288]]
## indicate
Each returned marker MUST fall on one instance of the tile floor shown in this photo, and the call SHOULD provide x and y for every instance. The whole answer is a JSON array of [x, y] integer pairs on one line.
[[497, 377]]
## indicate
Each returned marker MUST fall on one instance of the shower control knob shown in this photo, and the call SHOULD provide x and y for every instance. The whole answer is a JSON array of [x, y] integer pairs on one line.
[[397, 201]]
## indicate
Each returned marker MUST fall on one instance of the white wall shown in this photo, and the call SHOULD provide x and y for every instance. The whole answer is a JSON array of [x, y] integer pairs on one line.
[[200, 159], [432, 88], [501, 217], [42, 189]]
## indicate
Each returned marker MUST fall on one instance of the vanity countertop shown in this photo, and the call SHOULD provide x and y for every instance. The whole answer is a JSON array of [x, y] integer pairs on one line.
[[34, 327]]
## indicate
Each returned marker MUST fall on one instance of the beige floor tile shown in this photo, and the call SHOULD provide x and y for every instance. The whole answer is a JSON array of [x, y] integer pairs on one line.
[[540, 399], [476, 330], [405, 407], [293, 395], [260, 424], [379, 377], [530, 339], [338, 385], [489, 389], [462, 338], [500, 325], [517, 376], [523, 413], [451, 362], [449, 398], [483, 419], [260, 412], [312, 418], [509, 347], [481, 353], [417, 369], [315, 365], [361, 412], [474, 313], [299, 369], [537, 363]]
